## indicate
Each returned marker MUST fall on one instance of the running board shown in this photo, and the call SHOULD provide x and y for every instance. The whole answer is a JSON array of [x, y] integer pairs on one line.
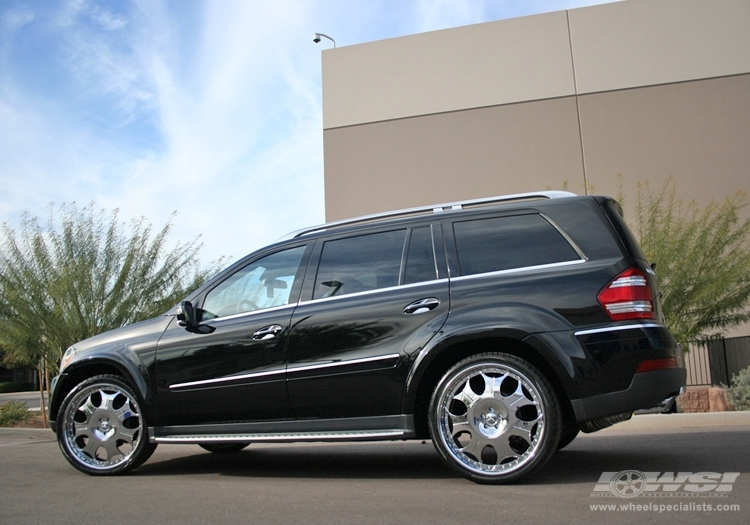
[[284, 438], [289, 431]]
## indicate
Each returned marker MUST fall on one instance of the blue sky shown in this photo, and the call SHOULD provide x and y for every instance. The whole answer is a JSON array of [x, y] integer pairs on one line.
[[211, 109]]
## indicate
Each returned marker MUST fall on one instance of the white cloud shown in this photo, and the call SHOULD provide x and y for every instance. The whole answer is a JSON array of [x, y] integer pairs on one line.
[[212, 109], [107, 19]]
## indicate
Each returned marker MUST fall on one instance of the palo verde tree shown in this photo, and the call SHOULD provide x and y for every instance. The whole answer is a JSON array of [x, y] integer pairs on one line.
[[82, 273], [702, 258]]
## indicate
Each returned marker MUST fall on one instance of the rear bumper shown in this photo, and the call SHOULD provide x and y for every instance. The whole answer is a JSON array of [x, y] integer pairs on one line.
[[647, 389]]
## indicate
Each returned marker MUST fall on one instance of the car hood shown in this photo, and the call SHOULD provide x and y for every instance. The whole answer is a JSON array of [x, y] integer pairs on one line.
[[134, 337]]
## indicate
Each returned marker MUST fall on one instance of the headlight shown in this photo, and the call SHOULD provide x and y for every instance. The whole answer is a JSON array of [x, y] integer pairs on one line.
[[67, 356]]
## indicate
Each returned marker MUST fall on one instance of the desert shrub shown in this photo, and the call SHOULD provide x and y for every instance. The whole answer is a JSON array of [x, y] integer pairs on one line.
[[13, 412], [739, 393]]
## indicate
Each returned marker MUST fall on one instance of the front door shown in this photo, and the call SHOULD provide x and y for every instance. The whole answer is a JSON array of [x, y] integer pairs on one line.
[[237, 371]]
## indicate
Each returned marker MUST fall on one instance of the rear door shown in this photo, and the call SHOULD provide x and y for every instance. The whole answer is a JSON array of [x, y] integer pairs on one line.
[[369, 304]]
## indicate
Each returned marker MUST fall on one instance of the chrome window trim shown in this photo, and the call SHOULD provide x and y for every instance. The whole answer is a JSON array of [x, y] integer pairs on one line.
[[518, 270], [251, 312], [618, 328], [370, 292], [565, 236]]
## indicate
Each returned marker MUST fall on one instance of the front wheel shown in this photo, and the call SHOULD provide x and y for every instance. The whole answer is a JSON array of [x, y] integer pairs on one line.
[[102, 430], [494, 418]]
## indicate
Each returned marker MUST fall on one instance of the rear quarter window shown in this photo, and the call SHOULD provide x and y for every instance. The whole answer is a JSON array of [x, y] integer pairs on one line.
[[504, 243]]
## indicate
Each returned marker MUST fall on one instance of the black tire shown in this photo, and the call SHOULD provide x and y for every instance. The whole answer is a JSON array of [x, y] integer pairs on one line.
[[567, 436], [223, 448], [102, 429], [494, 418]]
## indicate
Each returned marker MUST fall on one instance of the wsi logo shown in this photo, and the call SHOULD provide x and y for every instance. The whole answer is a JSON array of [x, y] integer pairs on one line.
[[632, 483]]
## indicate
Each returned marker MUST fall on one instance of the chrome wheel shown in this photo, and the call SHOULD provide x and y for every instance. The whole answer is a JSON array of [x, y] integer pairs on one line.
[[493, 418], [102, 430]]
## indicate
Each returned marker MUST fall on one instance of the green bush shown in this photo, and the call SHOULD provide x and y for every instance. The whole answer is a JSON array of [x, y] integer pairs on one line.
[[13, 412], [6, 388], [739, 393]]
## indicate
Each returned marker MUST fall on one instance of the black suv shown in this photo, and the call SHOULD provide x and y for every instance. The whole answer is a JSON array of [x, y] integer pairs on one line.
[[497, 327]]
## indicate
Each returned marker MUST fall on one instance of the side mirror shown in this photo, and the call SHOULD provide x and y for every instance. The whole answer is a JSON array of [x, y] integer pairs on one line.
[[186, 317]]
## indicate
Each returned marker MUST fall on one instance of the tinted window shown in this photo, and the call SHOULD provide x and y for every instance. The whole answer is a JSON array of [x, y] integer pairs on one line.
[[420, 262], [358, 264], [502, 243], [263, 283]]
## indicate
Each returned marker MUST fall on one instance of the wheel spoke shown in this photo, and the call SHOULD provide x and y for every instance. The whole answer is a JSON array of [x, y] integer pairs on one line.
[[92, 445], [517, 399], [111, 447], [126, 434], [475, 446], [466, 396], [460, 424], [503, 450]]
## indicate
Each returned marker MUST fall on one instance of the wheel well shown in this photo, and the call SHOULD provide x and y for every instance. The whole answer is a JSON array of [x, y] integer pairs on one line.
[[82, 373], [455, 353]]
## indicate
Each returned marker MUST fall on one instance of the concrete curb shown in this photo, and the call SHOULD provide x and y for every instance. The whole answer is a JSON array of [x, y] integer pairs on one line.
[[674, 421]]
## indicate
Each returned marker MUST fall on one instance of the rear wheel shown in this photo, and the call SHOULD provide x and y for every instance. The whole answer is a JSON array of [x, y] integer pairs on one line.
[[494, 418], [102, 430]]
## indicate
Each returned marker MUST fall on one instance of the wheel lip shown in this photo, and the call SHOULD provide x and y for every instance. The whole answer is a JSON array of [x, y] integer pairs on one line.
[[67, 428], [451, 383]]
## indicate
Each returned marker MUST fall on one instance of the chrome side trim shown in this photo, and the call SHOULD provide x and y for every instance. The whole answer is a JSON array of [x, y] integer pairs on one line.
[[518, 270], [306, 368], [617, 328], [217, 381]]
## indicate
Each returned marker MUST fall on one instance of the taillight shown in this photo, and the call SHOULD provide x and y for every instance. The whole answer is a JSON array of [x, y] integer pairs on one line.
[[628, 296], [664, 363]]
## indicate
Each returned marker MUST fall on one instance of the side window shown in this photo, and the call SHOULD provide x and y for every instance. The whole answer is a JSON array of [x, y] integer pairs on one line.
[[502, 243], [357, 264], [420, 261], [261, 284]]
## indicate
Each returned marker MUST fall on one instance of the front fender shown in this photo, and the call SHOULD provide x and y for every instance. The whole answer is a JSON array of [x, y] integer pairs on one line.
[[120, 361]]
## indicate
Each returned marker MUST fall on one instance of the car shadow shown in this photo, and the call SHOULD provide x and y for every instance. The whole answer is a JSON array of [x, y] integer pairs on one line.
[[581, 462]]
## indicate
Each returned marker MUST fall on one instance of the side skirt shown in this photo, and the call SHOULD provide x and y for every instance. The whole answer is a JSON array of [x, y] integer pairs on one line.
[[350, 429]]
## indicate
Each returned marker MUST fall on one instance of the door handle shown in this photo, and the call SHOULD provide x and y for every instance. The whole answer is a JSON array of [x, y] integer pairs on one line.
[[267, 332], [422, 306]]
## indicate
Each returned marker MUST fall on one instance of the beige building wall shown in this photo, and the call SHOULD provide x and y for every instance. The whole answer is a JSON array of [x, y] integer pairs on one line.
[[645, 89]]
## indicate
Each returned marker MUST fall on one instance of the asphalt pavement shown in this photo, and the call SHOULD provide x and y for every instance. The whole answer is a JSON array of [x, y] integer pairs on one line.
[[381, 483]]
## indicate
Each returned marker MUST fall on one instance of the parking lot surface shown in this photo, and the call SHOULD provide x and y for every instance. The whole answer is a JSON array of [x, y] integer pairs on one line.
[[378, 483]]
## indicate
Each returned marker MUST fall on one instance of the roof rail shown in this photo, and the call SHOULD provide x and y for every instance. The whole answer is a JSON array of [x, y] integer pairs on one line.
[[435, 208]]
